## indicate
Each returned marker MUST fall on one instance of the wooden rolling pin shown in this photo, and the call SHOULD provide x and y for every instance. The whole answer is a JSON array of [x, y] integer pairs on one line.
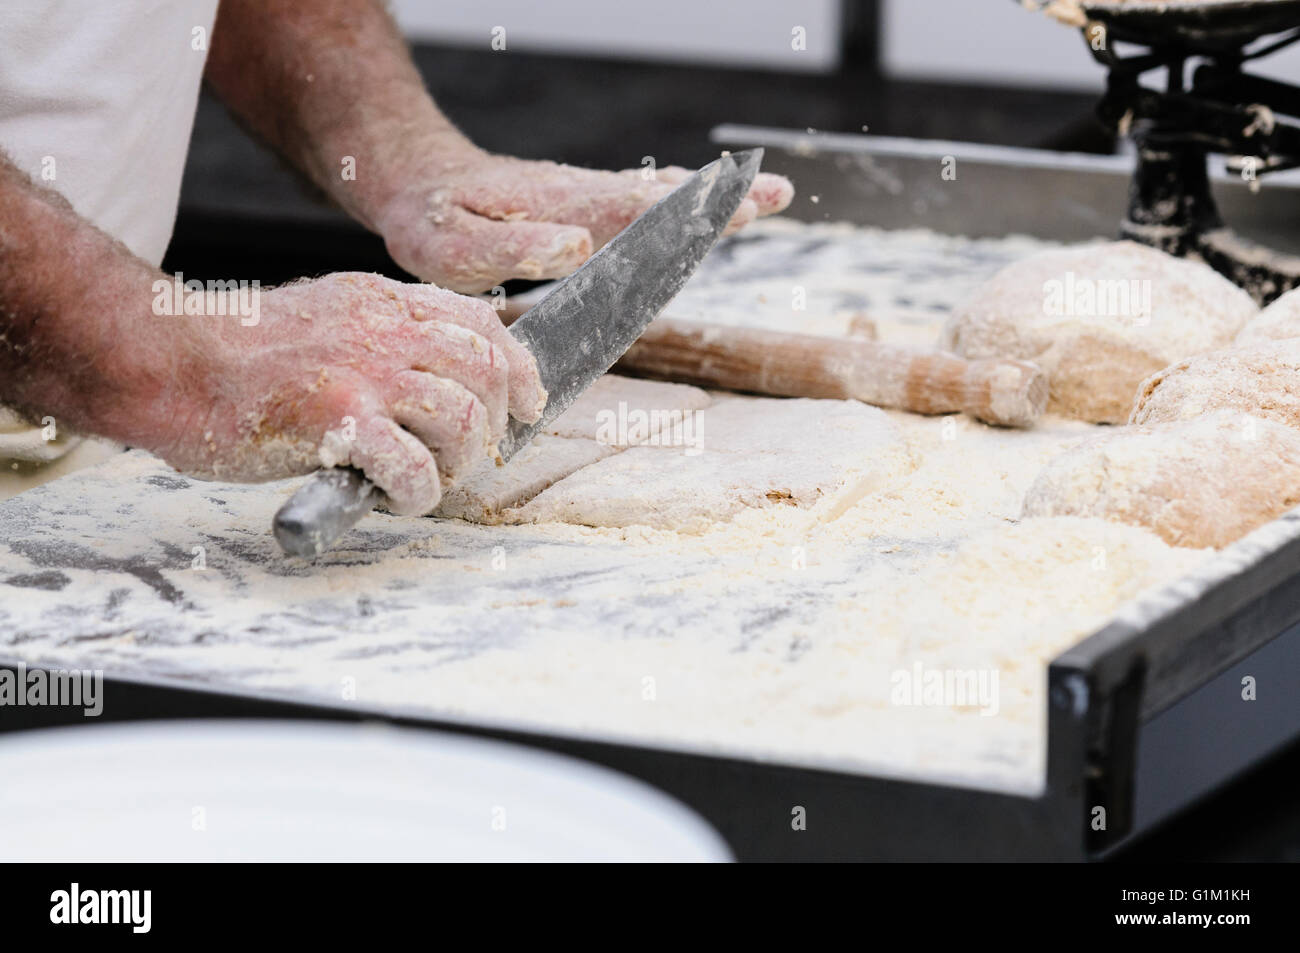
[[1005, 392]]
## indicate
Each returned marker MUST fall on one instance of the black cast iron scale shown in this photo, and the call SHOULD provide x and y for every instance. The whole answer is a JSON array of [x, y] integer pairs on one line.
[[1219, 108]]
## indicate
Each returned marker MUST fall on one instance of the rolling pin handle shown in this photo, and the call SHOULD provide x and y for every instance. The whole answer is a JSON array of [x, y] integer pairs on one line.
[[329, 504]]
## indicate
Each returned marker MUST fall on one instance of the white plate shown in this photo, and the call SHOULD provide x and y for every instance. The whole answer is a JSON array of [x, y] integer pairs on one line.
[[308, 791]]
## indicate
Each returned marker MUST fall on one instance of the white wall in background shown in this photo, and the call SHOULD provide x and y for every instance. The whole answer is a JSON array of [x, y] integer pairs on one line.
[[983, 41], [999, 42], [728, 32]]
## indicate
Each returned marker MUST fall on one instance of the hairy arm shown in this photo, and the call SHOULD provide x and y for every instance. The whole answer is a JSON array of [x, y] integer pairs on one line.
[[410, 383], [76, 337], [323, 80]]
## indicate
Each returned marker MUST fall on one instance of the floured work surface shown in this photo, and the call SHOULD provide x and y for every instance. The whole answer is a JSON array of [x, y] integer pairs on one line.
[[855, 578]]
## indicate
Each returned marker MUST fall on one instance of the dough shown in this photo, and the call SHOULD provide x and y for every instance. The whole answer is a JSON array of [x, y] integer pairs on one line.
[[1261, 379], [614, 412], [624, 411], [1098, 319], [488, 490], [756, 453], [1279, 320], [1201, 482]]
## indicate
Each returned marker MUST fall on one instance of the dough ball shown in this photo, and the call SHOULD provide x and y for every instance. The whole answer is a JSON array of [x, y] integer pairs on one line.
[[1201, 482], [1279, 320], [1098, 319], [1261, 379]]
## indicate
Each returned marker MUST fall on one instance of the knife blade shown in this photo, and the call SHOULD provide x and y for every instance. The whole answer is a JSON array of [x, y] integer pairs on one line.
[[575, 333]]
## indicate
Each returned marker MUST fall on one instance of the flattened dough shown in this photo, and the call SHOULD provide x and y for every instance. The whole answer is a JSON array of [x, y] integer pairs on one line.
[[647, 408], [1261, 379], [1096, 354], [1201, 482], [757, 453], [588, 431], [1279, 320], [486, 492]]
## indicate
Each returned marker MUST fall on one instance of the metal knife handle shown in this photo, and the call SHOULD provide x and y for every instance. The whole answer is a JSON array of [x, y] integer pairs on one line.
[[329, 504]]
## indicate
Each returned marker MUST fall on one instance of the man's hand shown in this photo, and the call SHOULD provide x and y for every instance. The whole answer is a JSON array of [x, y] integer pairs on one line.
[[471, 220], [330, 84], [409, 383]]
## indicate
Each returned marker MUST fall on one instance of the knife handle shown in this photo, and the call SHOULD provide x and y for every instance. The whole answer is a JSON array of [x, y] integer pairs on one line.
[[329, 504]]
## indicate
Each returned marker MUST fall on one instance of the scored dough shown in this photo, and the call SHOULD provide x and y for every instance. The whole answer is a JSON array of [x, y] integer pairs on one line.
[[755, 453], [1098, 319], [1201, 482], [645, 408], [488, 490], [613, 413], [1261, 379], [1279, 320]]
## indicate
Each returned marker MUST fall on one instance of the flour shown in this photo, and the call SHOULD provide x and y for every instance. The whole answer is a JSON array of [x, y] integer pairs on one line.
[[838, 280], [776, 635]]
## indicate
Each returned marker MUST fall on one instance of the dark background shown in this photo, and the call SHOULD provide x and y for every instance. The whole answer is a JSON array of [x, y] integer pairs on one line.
[[243, 212]]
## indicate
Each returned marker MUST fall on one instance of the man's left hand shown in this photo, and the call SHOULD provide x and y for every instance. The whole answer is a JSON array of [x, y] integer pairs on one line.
[[472, 220]]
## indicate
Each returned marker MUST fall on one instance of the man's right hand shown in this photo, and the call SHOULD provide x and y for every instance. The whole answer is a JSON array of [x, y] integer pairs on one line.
[[410, 383]]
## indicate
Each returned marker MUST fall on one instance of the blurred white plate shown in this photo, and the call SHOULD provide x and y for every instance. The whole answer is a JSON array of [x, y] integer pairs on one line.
[[310, 791]]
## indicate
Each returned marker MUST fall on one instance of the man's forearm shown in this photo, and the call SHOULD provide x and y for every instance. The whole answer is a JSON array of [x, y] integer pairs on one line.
[[72, 303], [329, 82]]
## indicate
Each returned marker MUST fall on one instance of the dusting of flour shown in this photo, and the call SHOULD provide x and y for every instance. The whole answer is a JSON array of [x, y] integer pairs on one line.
[[778, 635]]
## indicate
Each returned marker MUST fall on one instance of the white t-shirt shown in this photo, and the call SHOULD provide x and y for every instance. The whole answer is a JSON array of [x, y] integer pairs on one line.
[[97, 101]]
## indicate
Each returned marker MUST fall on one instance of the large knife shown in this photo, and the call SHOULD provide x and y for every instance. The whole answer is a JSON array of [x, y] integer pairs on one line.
[[576, 332]]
